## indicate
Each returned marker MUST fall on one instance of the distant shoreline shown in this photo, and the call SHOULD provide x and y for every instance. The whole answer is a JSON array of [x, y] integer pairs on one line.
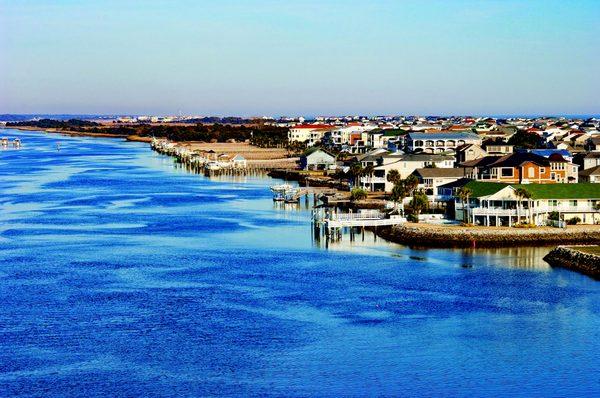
[[134, 137]]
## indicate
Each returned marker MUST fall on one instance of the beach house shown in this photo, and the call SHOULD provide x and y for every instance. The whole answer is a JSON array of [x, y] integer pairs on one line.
[[496, 204]]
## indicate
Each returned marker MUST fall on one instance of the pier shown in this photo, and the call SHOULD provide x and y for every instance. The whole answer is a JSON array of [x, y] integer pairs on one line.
[[331, 224]]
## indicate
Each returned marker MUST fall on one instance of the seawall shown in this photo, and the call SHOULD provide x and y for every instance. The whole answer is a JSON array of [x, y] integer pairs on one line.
[[442, 236], [576, 260]]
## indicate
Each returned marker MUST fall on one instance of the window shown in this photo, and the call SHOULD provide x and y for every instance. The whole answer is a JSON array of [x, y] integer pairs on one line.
[[542, 170], [573, 203], [507, 172], [553, 203]]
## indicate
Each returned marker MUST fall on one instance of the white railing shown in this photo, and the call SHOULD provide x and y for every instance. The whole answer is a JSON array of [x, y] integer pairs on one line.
[[363, 215], [372, 180], [584, 207], [534, 210], [483, 211]]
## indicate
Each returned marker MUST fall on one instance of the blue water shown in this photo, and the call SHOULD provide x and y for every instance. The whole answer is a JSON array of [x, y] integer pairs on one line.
[[124, 275]]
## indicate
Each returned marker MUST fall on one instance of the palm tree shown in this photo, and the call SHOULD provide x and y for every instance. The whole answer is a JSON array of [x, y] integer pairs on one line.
[[399, 193], [464, 194], [393, 176], [411, 183], [522, 193], [418, 204], [357, 170]]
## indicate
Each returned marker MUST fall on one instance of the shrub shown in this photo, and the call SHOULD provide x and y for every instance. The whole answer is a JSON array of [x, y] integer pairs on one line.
[[358, 194], [553, 216], [574, 221], [411, 217]]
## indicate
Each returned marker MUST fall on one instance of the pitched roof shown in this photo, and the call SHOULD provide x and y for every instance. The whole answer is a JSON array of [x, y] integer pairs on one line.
[[445, 136], [312, 126], [516, 160], [481, 162], [540, 191], [314, 149], [591, 171], [439, 172]]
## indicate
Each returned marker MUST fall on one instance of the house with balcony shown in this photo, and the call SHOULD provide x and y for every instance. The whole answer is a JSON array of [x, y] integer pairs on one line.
[[405, 164], [497, 204], [308, 133], [522, 168], [430, 179], [440, 142]]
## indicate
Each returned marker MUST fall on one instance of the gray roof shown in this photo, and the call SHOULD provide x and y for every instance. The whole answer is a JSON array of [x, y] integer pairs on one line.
[[422, 157], [440, 172], [445, 136]]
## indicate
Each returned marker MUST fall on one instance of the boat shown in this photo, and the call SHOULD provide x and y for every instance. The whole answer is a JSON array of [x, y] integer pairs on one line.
[[212, 166], [280, 192], [292, 196]]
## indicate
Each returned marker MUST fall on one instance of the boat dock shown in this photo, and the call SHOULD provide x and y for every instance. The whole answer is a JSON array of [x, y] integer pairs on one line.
[[329, 222]]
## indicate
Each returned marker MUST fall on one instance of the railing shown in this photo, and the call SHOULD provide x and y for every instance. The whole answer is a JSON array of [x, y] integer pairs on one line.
[[363, 215], [482, 211], [524, 211], [372, 180]]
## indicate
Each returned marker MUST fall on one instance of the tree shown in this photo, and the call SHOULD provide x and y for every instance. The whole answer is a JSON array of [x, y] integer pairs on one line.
[[464, 194], [522, 193], [411, 183], [418, 204], [524, 139], [399, 193], [358, 194], [393, 176], [356, 170]]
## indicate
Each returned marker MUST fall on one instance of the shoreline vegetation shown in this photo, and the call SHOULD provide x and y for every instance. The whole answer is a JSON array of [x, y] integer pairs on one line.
[[258, 134]]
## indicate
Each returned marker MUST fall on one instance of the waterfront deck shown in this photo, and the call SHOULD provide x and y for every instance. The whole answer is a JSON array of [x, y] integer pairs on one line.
[[331, 223]]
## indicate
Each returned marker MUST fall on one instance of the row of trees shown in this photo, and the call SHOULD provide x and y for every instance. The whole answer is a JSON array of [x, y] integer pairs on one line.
[[261, 135]]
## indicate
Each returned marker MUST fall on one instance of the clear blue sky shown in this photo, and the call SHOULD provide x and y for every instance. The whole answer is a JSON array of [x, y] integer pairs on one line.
[[300, 57]]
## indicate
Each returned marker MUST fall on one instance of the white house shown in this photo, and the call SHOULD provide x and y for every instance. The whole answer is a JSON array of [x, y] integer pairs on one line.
[[316, 159], [442, 142], [308, 133], [404, 164]]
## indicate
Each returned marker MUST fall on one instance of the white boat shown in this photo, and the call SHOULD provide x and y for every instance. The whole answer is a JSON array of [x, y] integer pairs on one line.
[[280, 192], [213, 166]]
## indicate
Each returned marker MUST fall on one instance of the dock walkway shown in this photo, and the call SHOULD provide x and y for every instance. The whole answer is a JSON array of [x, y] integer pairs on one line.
[[332, 222]]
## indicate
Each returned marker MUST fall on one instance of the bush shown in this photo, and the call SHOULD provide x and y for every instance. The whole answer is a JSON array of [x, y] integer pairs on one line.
[[553, 216], [412, 218], [574, 221], [358, 194]]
